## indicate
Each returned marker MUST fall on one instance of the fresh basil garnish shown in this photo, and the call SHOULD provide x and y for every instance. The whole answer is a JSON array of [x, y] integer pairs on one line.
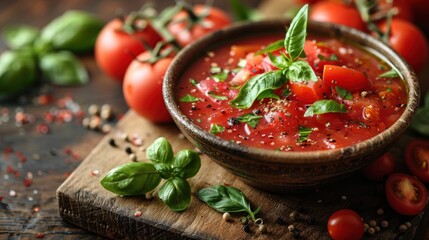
[[160, 151], [301, 71], [325, 106], [220, 77], [189, 98], [267, 94], [286, 92], [218, 97], [279, 44], [186, 163], [279, 61], [193, 81], [251, 119], [392, 73], [303, 133], [176, 194], [343, 93], [17, 37], [226, 199], [215, 129], [296, 34]]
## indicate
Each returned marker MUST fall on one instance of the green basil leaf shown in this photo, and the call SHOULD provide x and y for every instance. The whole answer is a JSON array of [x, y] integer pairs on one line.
[[176, 194], [160, 151], [188, 162], [135, 178], [193, 81], [218, 97], [220, 77], [20, 36], [301, 71], [420, 122], [392, 73], [272, 47], [343, 93], [74, 31], [164, 170], [267, 94], [278, 61], [286, 92], [215, 129], [255, 86], [296, 34], [242, 12], [17, 72], [303, 133], [225, 199], [250, 118], [325, 106], [63, 69], [189, 98]]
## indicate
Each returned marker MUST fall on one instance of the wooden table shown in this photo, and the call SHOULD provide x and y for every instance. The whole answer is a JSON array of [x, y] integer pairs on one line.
[[29, 209]]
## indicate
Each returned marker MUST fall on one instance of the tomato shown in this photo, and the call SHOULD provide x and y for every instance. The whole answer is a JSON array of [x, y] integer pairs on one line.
[[347, 78], [345, 224], [337, 12], [308, 92], [417, 159], [319, 55], [185, 29], [408, 41], [380, 168], [406, 194], [142, 88], [115, 49]]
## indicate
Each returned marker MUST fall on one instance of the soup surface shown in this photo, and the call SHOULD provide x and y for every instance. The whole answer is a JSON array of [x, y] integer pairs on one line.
[[297, 116]]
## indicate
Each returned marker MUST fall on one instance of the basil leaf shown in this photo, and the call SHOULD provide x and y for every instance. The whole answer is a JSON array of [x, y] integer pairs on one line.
[[74, 31], [420, 122], [218, 97], [250, 118], [272, 47], [325, 106], [286, 92], [267, 94], [164, 170], [160, 151], [296, 34], [343, 93], [63, 69], [220, 77], [392, 73], [225, 199], [18, 71], [20, 36], [255, 86], [193, 81], [135, 178], [176, 194], [215, 129], [303, 133], [301, 71], [278, 61], [188, 98], [188, 162]]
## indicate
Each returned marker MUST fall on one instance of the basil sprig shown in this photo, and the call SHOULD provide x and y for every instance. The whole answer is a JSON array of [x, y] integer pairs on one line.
[[290, 66], [392, 73], [138, 178], [325, 106], [226, 199], [303, 133]]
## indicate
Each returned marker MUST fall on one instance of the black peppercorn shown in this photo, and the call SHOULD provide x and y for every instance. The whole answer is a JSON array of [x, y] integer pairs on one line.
[[128, 150]]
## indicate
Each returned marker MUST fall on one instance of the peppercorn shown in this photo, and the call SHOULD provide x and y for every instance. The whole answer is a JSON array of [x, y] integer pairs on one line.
[[133, 157], [244, 220], [402, 228], [246, 228], [226, 217], [365, 227], [262, 228], [291, 227], [380, 211], [93, 109], [128, 150], [377, 228], [371, 231], [384, 224], [112, 142], [407, 224], [148, 196], [372, 223]]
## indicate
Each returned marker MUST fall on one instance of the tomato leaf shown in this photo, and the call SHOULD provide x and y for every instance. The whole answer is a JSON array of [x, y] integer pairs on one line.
[[392, 73], [189, 98], [251, 119], [325, 106], [279, 44], [257, 85], [301, 71], [303, 133], [215, 129], [343, 93], [160, 151], [296, 34], [176, 194]]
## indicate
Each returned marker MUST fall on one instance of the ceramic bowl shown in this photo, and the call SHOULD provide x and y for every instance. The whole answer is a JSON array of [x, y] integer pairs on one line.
[[286, 171]]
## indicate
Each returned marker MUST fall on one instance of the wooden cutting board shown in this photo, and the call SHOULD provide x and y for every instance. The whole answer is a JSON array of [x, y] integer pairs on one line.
[[83, 201]]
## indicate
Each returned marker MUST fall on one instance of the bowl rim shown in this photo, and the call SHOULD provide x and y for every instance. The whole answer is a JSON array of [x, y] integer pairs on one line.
[[383, 139]]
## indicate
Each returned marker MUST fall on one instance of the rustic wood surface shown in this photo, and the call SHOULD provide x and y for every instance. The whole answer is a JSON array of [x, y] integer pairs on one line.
[[28, 210]]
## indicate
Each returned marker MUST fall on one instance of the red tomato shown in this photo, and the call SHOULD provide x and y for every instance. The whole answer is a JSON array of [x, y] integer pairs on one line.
[[115, 49], [142, 88], [345, 224], [308, 92], [346, 78], [318, 56], [417, 159], [337, 12], [406, 194], [409, 42], [380, 168], [209, 19]]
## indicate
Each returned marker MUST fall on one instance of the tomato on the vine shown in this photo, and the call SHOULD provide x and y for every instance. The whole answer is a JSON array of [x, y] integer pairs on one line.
[[115, 48], [406, 194], [345, 224], [142, 88], [408, 41], [192, 24], [417, 159], [380, 168], [337, 12]]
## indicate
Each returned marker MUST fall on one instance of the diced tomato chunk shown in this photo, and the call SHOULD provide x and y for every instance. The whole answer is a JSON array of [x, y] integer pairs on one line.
[[318, 56], [349, 79], [309, 92]]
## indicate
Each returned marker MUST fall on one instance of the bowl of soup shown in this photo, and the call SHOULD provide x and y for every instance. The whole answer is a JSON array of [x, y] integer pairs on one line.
[[282, 120]]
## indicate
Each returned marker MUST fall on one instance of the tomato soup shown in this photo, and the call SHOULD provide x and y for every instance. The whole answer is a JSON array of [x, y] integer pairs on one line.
[[366, 95]]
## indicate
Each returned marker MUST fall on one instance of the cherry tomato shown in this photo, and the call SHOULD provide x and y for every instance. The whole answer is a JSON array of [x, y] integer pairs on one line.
[[417, 159], [346, 78], [115, 49], [337, 12], [408, 41], [345, 224], [380, 168], [142, 88], [185, 29], [308, 92], [406, 194]]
